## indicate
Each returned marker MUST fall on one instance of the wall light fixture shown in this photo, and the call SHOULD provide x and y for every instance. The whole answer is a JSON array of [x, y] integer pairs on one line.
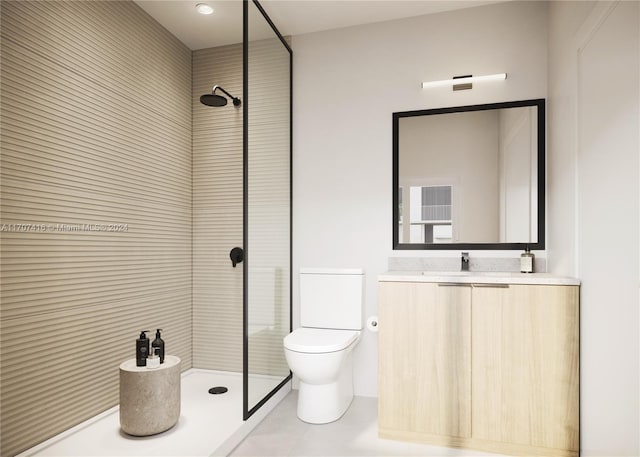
[[463, 82]]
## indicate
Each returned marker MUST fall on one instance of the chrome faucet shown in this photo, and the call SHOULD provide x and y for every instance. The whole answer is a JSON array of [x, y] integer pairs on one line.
[[464, 259]]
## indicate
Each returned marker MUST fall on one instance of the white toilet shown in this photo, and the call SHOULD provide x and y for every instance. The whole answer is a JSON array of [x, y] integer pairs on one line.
[[320, 351]]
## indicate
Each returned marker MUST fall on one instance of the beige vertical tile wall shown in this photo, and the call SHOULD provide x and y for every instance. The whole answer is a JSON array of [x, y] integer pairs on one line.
[[217, 212], [96, 130]]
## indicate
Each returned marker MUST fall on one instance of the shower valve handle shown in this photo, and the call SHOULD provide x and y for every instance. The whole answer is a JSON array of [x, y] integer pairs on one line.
[[236, 255]]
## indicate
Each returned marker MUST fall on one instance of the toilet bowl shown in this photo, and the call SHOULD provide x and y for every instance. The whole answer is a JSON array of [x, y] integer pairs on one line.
[[322, 360], [320, 352]]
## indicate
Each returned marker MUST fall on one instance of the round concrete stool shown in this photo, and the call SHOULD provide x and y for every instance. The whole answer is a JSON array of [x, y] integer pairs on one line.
[[149, 398]]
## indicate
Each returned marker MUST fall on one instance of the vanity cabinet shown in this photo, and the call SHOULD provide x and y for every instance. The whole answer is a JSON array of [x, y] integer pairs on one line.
[[484, 366], [425, 359], [525, 365]]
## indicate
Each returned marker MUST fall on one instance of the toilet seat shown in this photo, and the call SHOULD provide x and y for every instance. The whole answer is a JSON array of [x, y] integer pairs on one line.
[[319, 340]]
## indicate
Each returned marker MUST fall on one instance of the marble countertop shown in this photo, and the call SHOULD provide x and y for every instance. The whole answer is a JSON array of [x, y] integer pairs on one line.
[[480, 277]]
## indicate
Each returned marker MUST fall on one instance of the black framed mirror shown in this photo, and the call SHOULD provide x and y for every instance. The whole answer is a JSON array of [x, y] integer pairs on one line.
[[470, 177]]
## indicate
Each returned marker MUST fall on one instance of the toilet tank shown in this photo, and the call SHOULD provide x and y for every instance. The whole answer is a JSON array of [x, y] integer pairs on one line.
[[332, 298]]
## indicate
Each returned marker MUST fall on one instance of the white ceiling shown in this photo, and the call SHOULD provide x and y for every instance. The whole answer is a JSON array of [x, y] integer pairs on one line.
[[292, 17]]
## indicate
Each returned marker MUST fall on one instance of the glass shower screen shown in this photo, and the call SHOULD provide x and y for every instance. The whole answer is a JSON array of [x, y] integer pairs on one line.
[[267, 206]]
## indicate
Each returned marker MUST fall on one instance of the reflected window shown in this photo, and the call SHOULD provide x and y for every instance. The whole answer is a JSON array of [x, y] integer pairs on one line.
[[430, 208]]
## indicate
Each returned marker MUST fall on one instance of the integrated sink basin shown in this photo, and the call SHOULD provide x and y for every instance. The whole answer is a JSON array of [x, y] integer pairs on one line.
[[446, 273], [493, 274], [471, 277]]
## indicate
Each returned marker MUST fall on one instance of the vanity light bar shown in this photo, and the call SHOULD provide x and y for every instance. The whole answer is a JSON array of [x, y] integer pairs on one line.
[[464, 80]]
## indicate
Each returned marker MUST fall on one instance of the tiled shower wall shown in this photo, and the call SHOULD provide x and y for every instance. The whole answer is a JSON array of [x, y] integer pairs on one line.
[[217, 212], [96, 206]]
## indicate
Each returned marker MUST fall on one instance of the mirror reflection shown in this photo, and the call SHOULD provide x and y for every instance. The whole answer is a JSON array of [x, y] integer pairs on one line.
[[470, 176]]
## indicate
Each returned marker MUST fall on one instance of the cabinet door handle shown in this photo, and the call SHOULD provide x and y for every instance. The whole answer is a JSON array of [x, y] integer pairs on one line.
[[453, 284], [497, 286]]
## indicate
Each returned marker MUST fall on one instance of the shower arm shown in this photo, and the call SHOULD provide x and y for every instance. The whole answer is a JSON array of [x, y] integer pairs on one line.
[[213, 91], [216, 87], [236, 100]]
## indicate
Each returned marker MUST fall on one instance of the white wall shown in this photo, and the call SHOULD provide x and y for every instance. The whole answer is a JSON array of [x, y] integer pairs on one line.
[[594, 117], [347, 83]]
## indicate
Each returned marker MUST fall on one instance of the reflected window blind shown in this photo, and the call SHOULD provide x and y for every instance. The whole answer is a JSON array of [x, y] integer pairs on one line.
[[96, 206], [436, 203]]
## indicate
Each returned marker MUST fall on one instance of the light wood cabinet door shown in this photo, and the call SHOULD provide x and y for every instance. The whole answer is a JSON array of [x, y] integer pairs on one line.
[[525, 365], [424, 359]]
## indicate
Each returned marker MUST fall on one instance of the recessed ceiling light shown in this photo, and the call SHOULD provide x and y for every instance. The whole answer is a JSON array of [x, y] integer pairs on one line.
[[203, 8]]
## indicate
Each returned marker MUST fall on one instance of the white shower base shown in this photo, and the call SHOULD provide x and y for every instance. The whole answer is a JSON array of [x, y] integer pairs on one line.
[[208, 425]]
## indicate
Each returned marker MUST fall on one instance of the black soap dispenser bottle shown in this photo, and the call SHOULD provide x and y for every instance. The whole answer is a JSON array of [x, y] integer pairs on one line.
[[158, 343], [142, 349]]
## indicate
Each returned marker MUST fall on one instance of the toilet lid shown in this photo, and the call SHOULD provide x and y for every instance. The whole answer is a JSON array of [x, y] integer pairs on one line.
[[319, 340]]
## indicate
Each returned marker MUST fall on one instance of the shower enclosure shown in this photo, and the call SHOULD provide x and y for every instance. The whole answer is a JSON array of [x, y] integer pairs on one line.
[[261, 117], [266, 207], [243, 263]]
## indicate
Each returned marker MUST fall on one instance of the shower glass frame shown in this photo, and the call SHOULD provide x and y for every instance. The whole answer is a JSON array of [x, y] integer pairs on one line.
[[249, 409]]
